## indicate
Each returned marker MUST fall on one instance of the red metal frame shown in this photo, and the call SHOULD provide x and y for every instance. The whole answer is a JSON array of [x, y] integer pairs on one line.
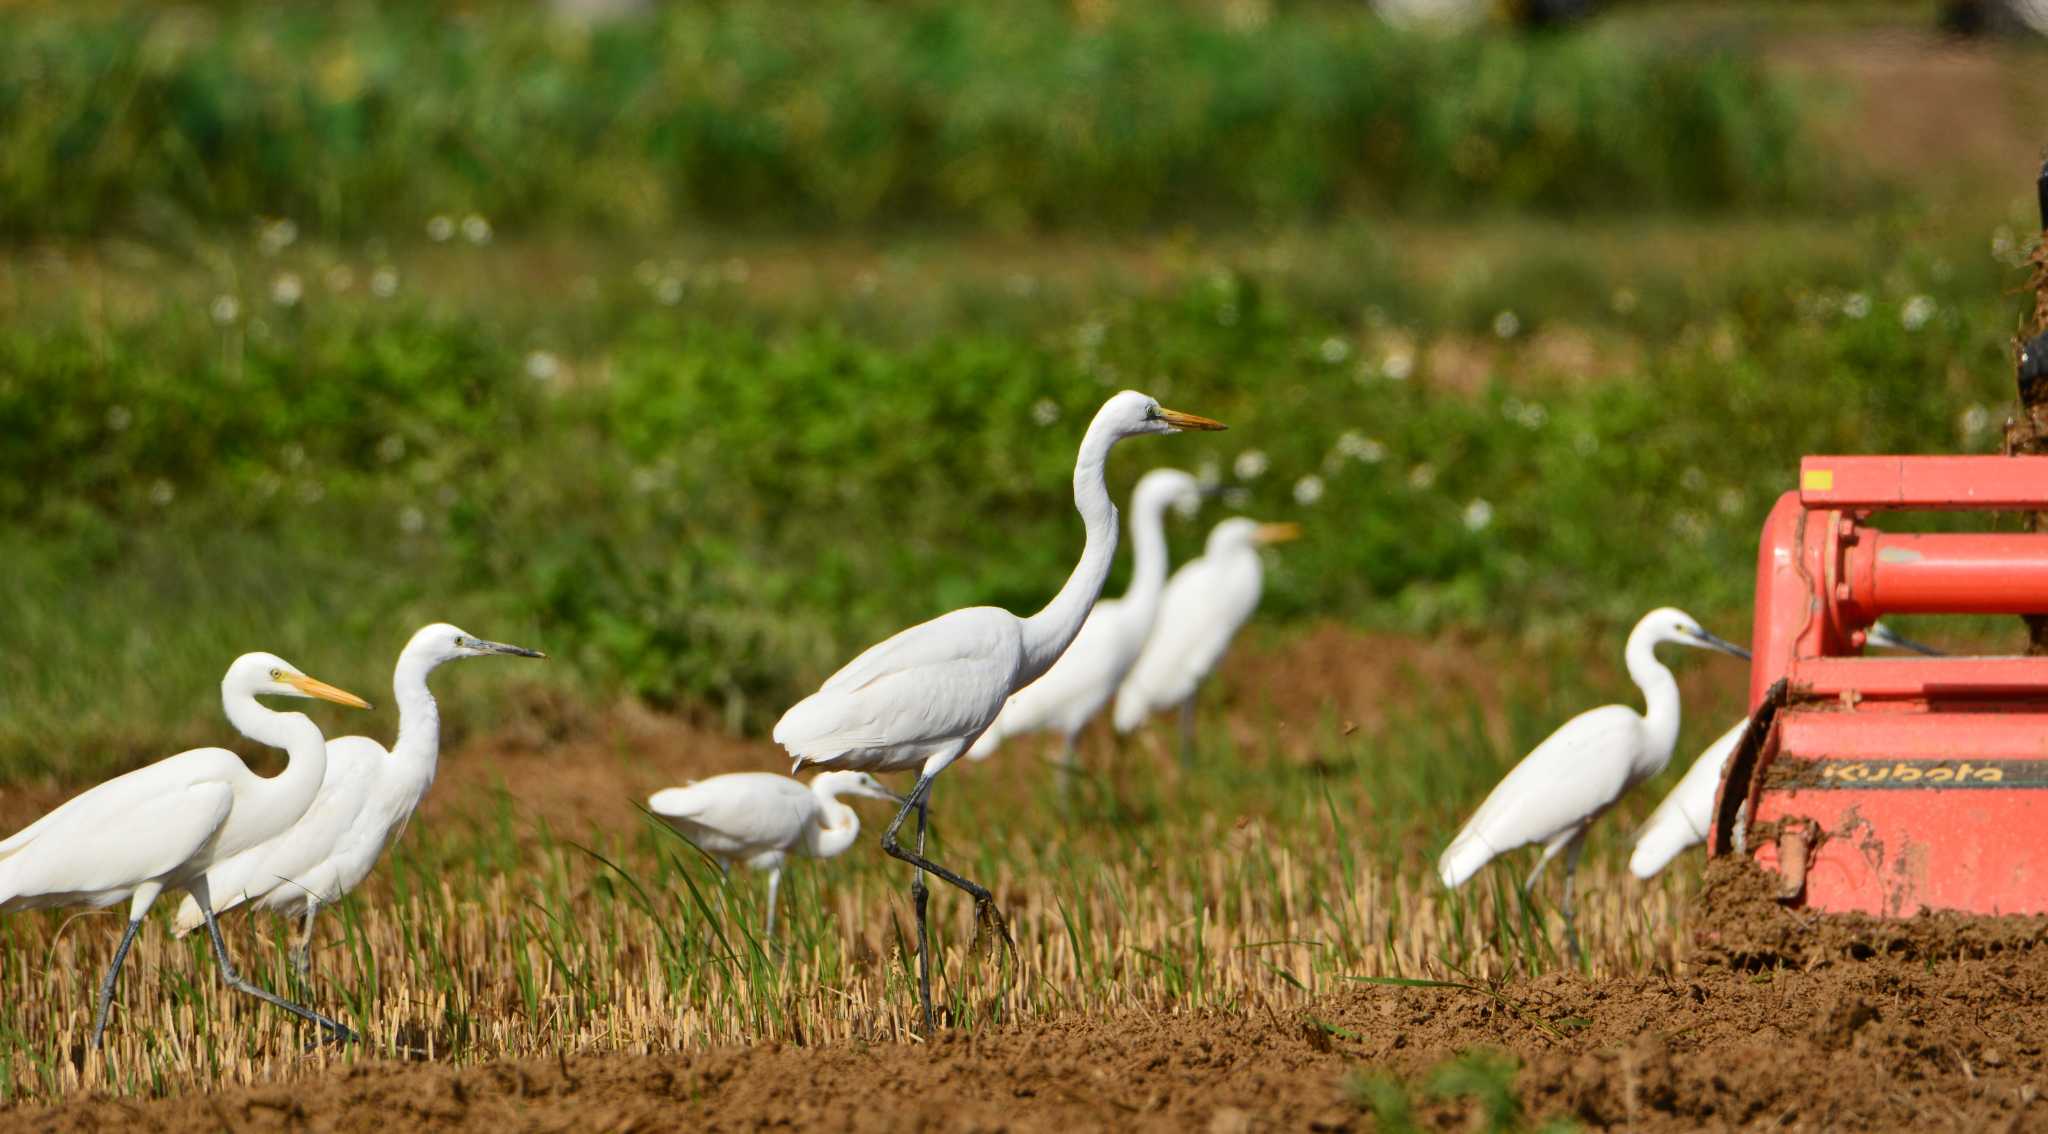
[[1889, 785]]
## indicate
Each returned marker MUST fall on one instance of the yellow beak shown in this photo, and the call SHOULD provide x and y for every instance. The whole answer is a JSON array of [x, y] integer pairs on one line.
[[314, 687], [1277, 533], [1181, 420]]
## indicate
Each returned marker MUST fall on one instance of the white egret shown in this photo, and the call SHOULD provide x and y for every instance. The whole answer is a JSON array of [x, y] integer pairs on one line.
[[1575, 775], [760, 818], [920, 698], [1209, 600], [162, 826], [1682, 819], [365, 800], [1087, 674]]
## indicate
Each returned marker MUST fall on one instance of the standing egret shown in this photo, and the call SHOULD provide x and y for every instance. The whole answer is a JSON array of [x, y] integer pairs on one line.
[[1682, 819], [1207, 603], [1570, 779], [1087, 674], [161, 827], [920, 698], [364, 801], [760, 818]]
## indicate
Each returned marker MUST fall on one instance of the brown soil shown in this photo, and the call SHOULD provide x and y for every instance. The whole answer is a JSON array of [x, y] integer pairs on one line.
[[1934, 1024]]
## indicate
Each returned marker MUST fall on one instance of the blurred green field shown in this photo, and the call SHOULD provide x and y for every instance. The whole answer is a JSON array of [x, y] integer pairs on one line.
[[704, 351]]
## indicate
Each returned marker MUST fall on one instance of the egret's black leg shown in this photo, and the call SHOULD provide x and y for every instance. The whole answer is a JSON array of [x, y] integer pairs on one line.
[[985, 913], [302, 949], [1571, 927], [235, 981], [920, 896], [99, 1024], [1070, 766]]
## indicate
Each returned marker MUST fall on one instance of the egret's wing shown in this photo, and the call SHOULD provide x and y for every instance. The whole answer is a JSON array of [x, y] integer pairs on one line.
[[125, 832], [754, 809], [290, 856], [1078, 684], [1684, 817], [942, 680], [1574, 775], [1206, 603]]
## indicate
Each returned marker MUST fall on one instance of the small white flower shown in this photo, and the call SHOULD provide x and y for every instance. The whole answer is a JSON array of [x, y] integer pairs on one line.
[[1690, 526], [1236, 498], [542, 366], [2004, 248], [1088, 336], [391, 450], [340, 278], [384, 283], [276, 236], [440, 228], [1250, 465], [1623, 301], [1187, 506], [1209, 474], [311, 491], [1308, 490], [294, 455], [1478, 515], [162, 492], [1916, 312], [645, 480], [1358, 447], [118, 418], [1422, 476], [476, 229], [1856, 305], [1334, 350], [1226, 313], [1586, 443], [286, 289], [1399, 363], [669, 291], [1730, 501], [1045, 411], [411, 520], [1507, 325], [1976, 421], [226, 309]]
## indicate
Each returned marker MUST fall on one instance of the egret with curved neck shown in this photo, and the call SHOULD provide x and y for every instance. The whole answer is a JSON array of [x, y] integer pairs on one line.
[[760, 819], [920, 698], [364, 800], [161, 827], [1583, 768], [1069, 694]]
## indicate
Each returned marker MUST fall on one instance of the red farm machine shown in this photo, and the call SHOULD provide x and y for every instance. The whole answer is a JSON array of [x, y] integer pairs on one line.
[[1890, 785]]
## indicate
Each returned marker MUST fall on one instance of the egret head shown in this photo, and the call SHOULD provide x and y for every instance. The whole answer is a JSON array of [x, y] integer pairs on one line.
[[1238, 531], [442, 642], [1883, 636], [1167, 488], [1131, 413], [1669, 624], [267, 675], [835, 784]]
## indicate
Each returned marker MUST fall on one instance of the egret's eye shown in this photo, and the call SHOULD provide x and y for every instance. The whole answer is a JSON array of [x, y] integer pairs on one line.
[[277, 675]]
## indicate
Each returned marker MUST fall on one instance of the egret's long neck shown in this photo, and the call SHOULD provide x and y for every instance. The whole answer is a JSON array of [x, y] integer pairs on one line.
[[1048, 633], [837, 829], [1148, 560], [417, 750], [1660, 697], [288, 793]]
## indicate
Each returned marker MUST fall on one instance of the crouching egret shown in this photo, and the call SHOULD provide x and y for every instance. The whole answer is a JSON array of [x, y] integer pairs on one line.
[[1207, 603], [919, 699], [363, 803], [1682, 818], [760, 818], [1087, 674], [1556, 792], [161, 827]]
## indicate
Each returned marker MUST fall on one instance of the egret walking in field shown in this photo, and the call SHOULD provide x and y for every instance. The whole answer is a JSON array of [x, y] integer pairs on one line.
[[920, 698], [1681, 821], [760, 818], [1209, 600], [363, 803], [1087, 675], [1556, 792], [161, 827]]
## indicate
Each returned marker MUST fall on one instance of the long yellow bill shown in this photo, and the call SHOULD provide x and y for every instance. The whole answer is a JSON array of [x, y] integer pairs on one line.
[[1277, 533], [1180, 420], [314, 687]]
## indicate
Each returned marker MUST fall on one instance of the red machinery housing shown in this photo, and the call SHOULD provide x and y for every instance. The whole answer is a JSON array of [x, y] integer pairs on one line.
[[1891, 785]]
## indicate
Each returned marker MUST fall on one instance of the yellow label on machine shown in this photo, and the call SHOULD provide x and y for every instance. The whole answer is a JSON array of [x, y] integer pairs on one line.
[[1817, 480]]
